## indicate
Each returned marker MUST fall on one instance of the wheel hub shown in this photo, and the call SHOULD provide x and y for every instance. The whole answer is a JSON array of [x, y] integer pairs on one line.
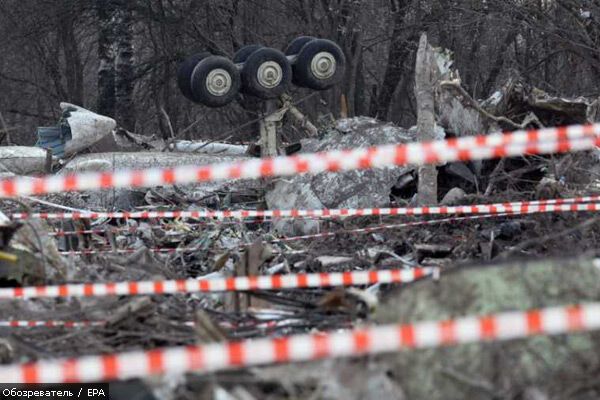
[[269, 74], [218, 82], [323, 65]]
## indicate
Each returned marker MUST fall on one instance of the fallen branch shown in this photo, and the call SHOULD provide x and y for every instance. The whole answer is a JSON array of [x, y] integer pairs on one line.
[[455, 85]]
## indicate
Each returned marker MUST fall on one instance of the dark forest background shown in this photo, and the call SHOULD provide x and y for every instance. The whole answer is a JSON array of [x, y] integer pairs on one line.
[[119, 57]]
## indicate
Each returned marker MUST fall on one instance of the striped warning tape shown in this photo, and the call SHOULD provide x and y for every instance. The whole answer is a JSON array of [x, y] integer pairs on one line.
[[376, 228], [115, 229], [157, 250], [269, 324], [233, 284], [97, 231], [543, 141], [379, 228], [497, 212], [50, 324], [12, 323], [531, 206], [132, 229], [295, 348]]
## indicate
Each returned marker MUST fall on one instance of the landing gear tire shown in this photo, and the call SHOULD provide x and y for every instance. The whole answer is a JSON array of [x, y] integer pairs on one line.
[[243, 53], [320, 65], [294, 48], [296, 45], [184, 73], [266, 73], [215, 81]]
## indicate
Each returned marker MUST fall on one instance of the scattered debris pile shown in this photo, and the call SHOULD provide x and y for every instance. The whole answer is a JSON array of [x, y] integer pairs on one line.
[[47, 251], [352, 189]]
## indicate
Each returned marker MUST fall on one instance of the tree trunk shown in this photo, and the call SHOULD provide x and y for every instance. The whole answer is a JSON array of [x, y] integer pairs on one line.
[[397, 53], [353, 70], [124, 66], [498, 63], [360, 107], [427, 188], [349, 37], [105, 103], [70, 49]]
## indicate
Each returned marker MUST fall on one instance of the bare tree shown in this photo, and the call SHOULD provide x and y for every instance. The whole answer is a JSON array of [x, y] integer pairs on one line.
[[397, 53], [124, 65], [121, 56], [105, 102]]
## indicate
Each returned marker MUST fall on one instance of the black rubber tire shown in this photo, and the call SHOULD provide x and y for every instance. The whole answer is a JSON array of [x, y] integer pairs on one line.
[[250, 82], [296, 45], [294, 48], [200, 92], [243, 53], [303, 76], [184, 73]]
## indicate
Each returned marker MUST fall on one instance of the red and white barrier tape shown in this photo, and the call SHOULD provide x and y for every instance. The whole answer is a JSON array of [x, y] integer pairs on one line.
[[378, 228], [156, 250], [50, 324], [543, 141], [132, 229], [296, 348], [114, 229], [12, 323], [233, 284], [97, 231], [501, 212], [529, 206]]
